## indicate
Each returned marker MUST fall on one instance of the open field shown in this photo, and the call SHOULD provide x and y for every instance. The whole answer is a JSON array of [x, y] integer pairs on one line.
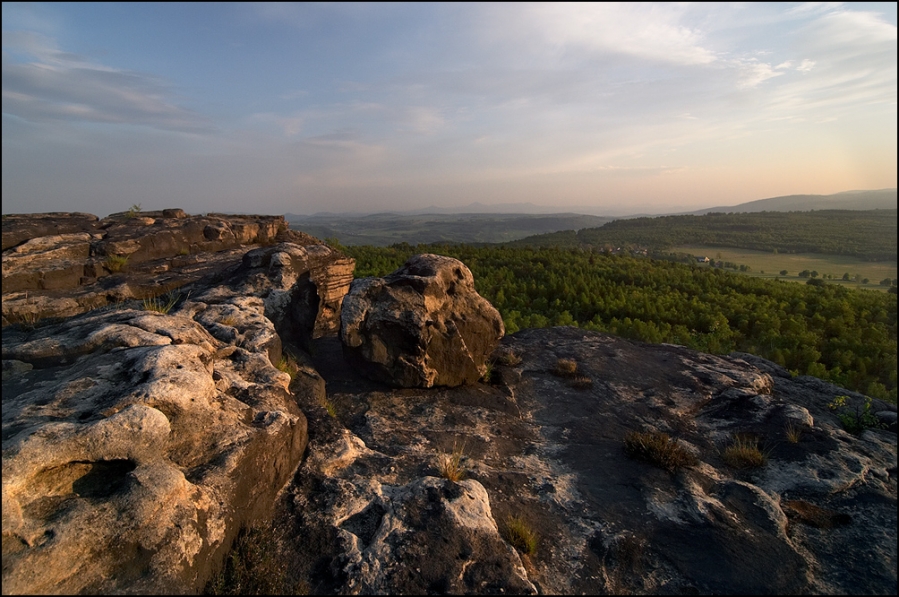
[[772, 263]]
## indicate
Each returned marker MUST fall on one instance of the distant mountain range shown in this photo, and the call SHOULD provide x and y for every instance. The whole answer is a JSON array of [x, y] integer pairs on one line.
[[858, 200], [479, 223]]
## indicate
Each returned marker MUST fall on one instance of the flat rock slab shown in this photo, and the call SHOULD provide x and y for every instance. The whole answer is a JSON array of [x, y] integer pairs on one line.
[[547, 445]]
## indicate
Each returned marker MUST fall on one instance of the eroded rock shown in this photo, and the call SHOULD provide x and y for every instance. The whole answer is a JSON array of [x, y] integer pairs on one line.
[[550, 450], [422, 326]]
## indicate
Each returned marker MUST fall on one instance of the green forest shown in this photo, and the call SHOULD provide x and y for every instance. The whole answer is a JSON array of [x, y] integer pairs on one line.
[[870, 235], [842, 335]]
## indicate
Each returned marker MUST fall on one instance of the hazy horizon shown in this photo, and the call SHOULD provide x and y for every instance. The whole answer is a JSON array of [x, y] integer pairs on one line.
[[615, 109]]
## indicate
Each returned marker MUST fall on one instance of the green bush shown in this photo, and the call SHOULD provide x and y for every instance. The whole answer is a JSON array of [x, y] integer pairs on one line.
[[858, 419]]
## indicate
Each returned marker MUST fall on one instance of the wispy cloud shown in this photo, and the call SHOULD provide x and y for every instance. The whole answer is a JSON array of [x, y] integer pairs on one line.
[[59, 86]]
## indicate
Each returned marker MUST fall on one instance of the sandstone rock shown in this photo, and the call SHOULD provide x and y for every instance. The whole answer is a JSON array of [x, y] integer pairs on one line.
[[134, 449], [422, 326], [162, 434], [552, 453], [59, 265]]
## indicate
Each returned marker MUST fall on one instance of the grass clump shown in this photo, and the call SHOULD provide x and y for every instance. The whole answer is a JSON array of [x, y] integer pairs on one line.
[[288, 366], [161, 304], [659, 449], [451, 466], [133, 211], [744, 453], [581, 382], [565, 367], [793, 432], [520, 534], [229, 320], [116, 263], [509, 358], [488, 372]]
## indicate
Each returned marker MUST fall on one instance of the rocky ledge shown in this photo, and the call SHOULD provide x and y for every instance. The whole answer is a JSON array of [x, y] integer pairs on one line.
[[138, 442], [63, 264]]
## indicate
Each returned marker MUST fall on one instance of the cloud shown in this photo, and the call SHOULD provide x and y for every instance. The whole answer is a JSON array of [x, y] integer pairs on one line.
[[653, 32], [58, 86]]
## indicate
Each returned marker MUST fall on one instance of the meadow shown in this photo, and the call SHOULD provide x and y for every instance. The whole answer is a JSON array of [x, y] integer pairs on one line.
[[767, 264]]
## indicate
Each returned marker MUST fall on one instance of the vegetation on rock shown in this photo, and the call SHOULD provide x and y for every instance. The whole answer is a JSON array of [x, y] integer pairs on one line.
[[659, 449], [520, 534]]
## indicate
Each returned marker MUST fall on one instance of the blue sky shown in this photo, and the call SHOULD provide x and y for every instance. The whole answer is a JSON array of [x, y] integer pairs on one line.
[[607, 108]]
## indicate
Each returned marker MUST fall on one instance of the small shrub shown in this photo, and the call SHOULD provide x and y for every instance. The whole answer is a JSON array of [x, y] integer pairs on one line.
[[659, 449], [855, 422], [520, 534], [116, 263], [565, 367], [133, 211], [451, 466], [329, 407], [744, 453], [161, 304], [793, 432]]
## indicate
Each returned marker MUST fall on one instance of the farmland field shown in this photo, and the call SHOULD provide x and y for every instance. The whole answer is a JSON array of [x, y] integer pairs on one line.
[[772, 263]]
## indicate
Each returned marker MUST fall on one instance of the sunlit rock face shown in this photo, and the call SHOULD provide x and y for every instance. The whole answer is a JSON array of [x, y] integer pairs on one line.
[[424, 325], [139, 439]]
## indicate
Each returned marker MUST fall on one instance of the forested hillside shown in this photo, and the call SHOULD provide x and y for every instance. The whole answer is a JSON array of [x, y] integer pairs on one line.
[[870, 235], [845, 336]]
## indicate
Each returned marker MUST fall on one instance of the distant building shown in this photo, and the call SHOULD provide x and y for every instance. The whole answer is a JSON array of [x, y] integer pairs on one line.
[[703, 259]]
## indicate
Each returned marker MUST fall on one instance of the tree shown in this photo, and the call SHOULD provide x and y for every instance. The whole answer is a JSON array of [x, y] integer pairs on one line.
[[783, 272], [816, 282], [814, 273], [805, 273], [846, 276], [886, 282]]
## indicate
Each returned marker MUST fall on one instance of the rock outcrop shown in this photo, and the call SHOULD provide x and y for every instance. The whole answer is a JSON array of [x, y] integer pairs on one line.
[[137, 443], [59, 265], [424, 325], [819, 516]]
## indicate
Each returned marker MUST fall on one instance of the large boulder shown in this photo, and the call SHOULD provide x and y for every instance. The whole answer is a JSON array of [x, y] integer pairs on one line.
[[424, 325], [136, 445]]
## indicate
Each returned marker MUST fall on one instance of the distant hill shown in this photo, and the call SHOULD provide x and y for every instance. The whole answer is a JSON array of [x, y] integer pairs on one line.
[[868, 235], [854, 200], [391, 228]]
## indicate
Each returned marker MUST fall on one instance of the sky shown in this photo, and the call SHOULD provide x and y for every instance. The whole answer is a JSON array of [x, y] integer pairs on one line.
[[303, 108]]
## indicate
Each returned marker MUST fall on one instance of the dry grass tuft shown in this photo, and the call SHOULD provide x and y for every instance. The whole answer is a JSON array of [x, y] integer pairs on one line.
[[451, 466], [520, 534], [793, 432], [659, 449], [581, 382], [744, 453], [161, 304], [565, 367], [509, 358]]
